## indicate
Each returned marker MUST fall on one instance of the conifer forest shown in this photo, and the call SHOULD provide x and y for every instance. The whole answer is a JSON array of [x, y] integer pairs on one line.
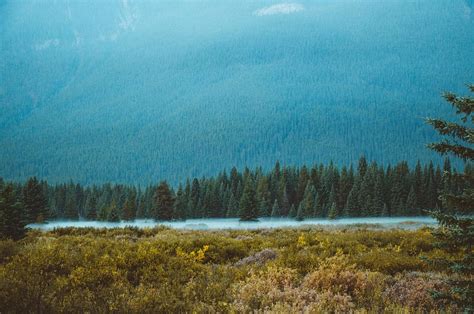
[[244, 156]]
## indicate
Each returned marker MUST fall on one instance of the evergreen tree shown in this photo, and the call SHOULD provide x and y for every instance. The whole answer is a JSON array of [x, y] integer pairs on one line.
[[129, 209], [300, 213], [378, 197], [12, 218], [285, 203], [362, 167], [113, 213], [293, 212], [179, 206], [411, 203], [70, 212], [345, 185], [276, 212], [34, 201], [385, 211], [248, 207], [163, 207], [333, 197], [91, 207], [318, 210], [79, 200], [264, 208], [308, 203], [418, 186], [456, 232], [302, 183], [352, 205], [332, 214], [232, 207], [195, 195], [103, 213], [141, 209]]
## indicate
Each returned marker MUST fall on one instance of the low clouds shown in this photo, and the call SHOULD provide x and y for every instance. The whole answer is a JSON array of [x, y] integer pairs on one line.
[[281, 8]]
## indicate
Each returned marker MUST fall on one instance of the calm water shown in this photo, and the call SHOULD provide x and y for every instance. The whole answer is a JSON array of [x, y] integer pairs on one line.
[[234, 223]]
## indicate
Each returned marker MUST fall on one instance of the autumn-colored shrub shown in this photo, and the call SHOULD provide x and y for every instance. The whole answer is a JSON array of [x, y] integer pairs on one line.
[[158, 270], [413, 290], [259, 258]]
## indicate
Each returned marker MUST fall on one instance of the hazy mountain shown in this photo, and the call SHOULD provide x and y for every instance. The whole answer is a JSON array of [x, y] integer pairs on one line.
[[135, 91]]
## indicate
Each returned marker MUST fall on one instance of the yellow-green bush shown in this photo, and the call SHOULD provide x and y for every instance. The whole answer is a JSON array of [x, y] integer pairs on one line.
[[163, 270]]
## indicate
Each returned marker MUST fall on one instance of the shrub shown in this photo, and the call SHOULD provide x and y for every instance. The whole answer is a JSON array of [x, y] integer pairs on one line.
[[413, 290]]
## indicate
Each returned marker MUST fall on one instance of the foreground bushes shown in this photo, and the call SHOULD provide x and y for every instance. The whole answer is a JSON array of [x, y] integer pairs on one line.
[[164, 270]]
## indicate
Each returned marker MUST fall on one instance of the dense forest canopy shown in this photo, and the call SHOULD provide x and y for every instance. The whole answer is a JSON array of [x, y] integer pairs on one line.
[[135, 92], [324, 191]]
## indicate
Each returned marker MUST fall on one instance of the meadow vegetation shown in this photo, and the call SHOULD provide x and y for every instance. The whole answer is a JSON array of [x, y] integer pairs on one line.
[[164, 270]]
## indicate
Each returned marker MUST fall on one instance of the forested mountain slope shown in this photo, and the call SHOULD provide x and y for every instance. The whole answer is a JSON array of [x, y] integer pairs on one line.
[[133, 91]]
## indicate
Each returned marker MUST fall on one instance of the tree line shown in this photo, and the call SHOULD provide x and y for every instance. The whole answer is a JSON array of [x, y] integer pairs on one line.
[[303, 192]]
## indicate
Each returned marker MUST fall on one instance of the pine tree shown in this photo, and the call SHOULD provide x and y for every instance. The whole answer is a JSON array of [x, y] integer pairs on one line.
[[318, 210], [308, 203], [232, 207], [352, 205], [12, 218], [113, 213], [164, 201], [248, 207], [91, 207], [300, 213], [418, 185], [302, 183], [34, 201], [179, 206], [332, 214], [293, 212], [456, 232], [141, 209], [345, 185], [70, 212], [103, 213], [264, 208], [129, 209], [411, 203], [276, 212], [362, 167], [378, 197], [285, 203]]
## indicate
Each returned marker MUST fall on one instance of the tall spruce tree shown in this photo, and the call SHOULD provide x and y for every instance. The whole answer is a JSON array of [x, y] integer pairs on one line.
[[12, 218], [276, 212], [179, 206], [293, 211], [410, 206], [113, 213], [164, 201], [308, 203], [456, 231], [248, 210], [332, 214], [264, 208], [300, 213], [34, 201], [70, 212], [91, 207], [129, 209], [232, 207]]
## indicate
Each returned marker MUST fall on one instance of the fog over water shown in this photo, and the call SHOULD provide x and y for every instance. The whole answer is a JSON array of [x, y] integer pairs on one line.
[[234, 223]]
